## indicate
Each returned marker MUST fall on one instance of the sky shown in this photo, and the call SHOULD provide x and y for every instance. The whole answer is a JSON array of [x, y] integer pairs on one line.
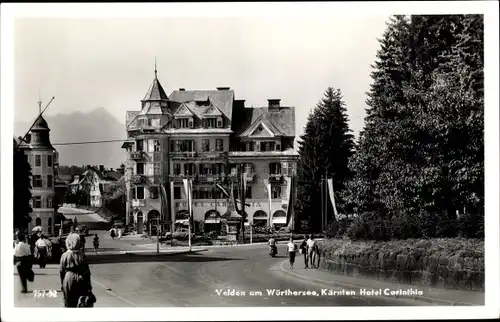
[[91, 63]]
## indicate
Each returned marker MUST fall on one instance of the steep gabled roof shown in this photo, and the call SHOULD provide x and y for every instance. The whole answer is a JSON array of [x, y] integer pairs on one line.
[[283, 120], [223, 99], [261, 120], [184, 110], [212, 110], [155, 92]]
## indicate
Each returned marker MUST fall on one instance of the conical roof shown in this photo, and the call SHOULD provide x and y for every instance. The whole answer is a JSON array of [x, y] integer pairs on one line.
[[155, 92], [40, 124]]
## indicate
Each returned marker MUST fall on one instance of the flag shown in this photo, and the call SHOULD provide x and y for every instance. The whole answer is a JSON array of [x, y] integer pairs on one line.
[[228, 196], [172, 205], [163, 202], [187, 188], [267, 186], [332, 198]]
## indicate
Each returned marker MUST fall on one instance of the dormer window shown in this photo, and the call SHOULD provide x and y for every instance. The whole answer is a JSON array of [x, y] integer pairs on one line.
[[154, 122], [210, 123], [191, 123], [219, 122], [143, 121], [183, 123]]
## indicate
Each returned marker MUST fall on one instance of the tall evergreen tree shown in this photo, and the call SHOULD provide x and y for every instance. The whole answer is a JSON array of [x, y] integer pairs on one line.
[[420, 157], [325, 147], [22, 190]]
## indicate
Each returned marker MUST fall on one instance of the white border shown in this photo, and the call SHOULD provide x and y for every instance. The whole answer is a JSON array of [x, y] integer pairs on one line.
[[488, 8]]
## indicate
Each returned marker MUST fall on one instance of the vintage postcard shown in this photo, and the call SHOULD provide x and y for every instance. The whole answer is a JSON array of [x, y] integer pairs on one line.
[[250, 161]]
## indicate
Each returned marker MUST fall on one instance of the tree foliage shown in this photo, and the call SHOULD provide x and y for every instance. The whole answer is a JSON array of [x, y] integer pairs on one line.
[[22, 190], [325, 147], [420, 157]]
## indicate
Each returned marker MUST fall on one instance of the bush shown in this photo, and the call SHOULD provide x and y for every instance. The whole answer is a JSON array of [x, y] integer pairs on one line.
[[471, 225], [213, 235], [264, 230], [369, 226]]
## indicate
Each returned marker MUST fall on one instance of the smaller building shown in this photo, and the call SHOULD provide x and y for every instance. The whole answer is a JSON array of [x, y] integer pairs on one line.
[[95, 181]]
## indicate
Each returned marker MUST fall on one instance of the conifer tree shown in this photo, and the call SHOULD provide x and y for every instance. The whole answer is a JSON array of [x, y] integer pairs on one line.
[[22, 190]]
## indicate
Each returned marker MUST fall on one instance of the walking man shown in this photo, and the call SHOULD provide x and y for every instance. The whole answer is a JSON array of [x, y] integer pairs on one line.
[[303, 251], [23, 259], [311, 250], [291, 248]]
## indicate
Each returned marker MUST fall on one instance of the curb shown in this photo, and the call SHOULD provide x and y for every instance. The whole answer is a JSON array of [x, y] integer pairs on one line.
[[227, 246], [345, 285]]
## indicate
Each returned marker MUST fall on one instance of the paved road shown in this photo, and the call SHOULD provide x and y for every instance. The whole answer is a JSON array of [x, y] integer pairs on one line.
[[193, 280]]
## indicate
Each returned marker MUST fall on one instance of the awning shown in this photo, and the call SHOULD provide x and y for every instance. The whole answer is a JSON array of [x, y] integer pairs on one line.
[[212, 220], [181, 221], [279, 220]]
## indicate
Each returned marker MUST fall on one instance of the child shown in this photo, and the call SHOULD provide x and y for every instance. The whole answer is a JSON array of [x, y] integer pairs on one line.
[[96, 243]]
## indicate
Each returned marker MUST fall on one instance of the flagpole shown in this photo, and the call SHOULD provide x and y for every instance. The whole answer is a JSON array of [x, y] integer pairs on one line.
[[190, 213], [326, 200]]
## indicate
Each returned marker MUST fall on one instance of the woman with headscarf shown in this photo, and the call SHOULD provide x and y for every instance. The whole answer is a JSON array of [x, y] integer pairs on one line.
[[75, 273], [23, 259]]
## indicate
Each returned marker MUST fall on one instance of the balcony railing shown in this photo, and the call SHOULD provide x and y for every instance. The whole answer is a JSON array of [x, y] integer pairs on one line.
[[138, 179], [136, 155], [250, 177], [138, 203], [209, 178], [276, 178]]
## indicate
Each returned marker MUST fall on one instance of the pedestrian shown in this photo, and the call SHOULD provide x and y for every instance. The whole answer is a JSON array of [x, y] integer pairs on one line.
[[311, 250], [96, 243], [23, 259], [82, 242], [42, 249], [303, 251], [292, 249], [74, 272], [112, 233]]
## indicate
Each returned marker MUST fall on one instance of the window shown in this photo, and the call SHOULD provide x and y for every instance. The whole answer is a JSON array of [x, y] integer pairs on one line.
[[182, 146], [151, 145], [205, 145], [177, 192], [143, 122], [139, 193], [219, 122], [140, 168], [274, 168], [248, 167], [157, 145], [50, 181], [267, 146], [37, 181], [210, 123], [248, 194], [189, 169], [157, 169], [183, 123], [276, 192], [177, 169], [49, 202], [37, 202], [140, 145], [49, 161], [249, 146], [191, 125], [219, 145], [154, 122], [278, 147], [153, 192], [38, 160]]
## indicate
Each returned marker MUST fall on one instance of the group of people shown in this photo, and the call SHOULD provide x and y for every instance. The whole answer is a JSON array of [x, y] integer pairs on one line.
[[74, 270], [308, 249]]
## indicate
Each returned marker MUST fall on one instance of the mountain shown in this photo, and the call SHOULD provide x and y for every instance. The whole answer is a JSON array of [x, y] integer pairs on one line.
[[96, 125]]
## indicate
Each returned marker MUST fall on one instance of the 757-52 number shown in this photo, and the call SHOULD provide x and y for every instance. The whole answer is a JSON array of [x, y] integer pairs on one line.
[[44, 293]]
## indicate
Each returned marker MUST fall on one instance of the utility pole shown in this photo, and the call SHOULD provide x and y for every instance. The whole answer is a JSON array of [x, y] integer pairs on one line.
[[326, 200], [322, 206]]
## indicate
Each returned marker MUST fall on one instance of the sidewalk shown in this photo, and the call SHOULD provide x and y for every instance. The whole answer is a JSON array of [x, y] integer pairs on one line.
[[167, 246], [47, 280], [434, 296]]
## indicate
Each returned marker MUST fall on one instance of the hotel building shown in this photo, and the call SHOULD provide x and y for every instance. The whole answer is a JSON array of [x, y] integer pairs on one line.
[[209, 136]]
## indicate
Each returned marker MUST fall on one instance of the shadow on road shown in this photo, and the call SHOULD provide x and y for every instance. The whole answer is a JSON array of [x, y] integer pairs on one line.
[[151, 258]]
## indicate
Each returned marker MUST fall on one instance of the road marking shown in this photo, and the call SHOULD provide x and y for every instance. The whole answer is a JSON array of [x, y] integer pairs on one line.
[[107, 290]]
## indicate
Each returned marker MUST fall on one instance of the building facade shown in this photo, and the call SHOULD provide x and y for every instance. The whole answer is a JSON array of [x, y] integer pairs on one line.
[[43, 159], [210, 137]]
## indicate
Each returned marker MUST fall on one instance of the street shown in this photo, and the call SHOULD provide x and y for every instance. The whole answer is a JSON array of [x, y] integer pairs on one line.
[[197, 279]]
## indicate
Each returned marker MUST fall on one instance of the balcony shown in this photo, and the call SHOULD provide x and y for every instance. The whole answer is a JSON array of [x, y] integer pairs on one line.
[[209, 178], [138, 179], [136, 155], [250, 177], [276, 178], [138, 203]]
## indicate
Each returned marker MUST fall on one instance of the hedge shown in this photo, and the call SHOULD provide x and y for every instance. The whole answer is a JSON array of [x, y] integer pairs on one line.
[[445, 263]]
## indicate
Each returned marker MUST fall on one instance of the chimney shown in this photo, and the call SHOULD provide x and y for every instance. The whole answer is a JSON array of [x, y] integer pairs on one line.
[[223, 88], [273, 103], [182, 89], [101, 168]]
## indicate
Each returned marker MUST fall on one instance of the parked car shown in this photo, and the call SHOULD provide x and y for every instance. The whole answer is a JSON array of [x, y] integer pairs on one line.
[[181, 234]]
